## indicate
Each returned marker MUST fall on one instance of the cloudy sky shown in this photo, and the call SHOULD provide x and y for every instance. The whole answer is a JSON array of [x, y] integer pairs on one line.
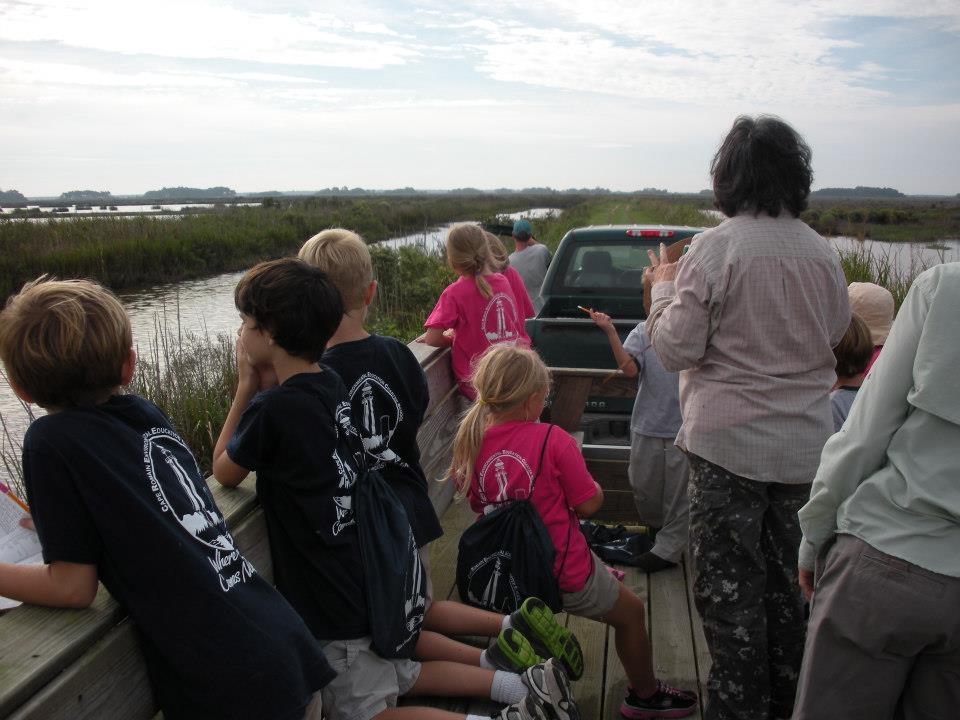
[[130, 95]]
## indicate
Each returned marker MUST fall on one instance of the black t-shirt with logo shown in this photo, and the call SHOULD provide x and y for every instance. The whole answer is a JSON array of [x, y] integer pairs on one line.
[[113, 486], [295, 436], [388, 398]]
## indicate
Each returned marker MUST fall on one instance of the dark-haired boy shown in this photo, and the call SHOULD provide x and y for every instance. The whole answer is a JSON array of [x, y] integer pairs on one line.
[[117, 495], [297, 436]]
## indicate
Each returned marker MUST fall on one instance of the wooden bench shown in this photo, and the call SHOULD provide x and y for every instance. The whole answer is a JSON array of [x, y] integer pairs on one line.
[[78, 664]]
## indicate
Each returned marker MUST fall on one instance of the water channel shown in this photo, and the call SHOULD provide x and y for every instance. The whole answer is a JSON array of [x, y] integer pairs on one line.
[[205, 306]]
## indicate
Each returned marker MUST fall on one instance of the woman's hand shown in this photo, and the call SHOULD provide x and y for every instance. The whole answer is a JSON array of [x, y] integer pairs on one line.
[[806, 583], [661, 269]]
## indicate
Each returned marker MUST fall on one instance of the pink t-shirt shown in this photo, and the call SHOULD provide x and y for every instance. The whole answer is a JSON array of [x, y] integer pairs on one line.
[[479, 322], [520, 293], [505, 469]]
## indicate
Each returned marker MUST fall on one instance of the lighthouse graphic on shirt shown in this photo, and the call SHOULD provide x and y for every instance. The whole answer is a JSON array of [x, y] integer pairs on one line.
[[177, 486], [500, 319], [377, 413]]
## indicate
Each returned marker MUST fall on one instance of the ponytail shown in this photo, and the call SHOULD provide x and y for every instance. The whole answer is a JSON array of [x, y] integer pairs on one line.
[[469, 254], [466, 446]]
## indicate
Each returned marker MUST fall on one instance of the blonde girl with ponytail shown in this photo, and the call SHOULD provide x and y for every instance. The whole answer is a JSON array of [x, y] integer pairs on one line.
[[476, 311], [500, 452]]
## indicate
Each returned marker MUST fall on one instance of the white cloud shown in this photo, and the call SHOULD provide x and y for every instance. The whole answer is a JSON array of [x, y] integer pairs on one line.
[[770, 51], [204, 29]]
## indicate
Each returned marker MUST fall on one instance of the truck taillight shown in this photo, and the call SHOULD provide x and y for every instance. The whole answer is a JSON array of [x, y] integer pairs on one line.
[[632, 232]]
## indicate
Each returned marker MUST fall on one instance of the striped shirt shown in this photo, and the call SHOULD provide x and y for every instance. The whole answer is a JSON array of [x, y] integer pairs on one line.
[[751, 319]]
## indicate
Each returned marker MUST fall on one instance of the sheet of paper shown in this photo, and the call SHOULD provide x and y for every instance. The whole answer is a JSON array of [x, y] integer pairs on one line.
[[17, 543]]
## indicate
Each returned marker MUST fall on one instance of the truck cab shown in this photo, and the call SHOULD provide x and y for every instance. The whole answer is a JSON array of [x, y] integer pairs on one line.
[[598, 267]]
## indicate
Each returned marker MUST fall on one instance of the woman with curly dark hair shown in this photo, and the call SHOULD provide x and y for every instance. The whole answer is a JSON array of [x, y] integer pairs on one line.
[[750, 316]]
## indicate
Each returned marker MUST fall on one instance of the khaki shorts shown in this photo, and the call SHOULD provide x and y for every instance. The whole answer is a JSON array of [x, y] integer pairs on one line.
[[366, 684], [597, 597]]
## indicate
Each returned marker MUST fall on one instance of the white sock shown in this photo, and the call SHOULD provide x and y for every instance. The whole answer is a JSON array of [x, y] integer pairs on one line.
[[478, 717], [505, 623], [507, 688], [485, 662]]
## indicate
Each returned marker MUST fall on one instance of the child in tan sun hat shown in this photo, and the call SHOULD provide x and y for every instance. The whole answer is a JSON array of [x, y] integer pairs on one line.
[[874, 304]]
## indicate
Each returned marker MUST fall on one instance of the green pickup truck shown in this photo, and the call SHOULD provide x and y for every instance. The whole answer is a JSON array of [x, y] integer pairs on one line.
[[599, 267]]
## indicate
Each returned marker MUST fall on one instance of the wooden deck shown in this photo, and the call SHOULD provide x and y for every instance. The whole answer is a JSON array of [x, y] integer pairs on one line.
[[679, 649]]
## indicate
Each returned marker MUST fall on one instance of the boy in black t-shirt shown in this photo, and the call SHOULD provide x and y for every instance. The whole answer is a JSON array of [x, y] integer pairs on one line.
[[297, 436], [117, 495], [388, 398]]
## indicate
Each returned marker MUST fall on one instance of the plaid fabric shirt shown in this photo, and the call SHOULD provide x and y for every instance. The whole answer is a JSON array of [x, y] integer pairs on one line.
[[751, 319]]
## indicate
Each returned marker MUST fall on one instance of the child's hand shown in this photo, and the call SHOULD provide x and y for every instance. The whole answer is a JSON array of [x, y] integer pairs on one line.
[[27, 522], [603, 321], [248, 379]]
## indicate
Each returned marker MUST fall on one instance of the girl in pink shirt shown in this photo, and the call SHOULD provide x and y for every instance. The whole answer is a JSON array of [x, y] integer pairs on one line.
[[479, 307], [496, 456], [500, 262]]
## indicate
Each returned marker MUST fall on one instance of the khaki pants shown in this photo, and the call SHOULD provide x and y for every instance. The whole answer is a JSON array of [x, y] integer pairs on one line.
[[883, 640], [658, 473]]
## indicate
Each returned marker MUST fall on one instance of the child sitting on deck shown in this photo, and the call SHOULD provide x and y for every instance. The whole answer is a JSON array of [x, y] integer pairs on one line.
[[479, 307], [297, 436], [388, 399], [853, 354], [496, 457], [116, 495], [658, 468]]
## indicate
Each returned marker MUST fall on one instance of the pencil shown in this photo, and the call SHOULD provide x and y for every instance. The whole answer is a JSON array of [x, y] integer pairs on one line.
[[4, 489]]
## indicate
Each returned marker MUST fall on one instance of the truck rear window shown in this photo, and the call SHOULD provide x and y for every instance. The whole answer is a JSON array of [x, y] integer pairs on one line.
[[609, 267]]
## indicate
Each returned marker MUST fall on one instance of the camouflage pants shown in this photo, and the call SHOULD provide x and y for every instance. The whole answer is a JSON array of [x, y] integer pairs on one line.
[[744, 535]]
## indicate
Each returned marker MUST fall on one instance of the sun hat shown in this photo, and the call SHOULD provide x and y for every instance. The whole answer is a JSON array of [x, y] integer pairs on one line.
[[874, 304]]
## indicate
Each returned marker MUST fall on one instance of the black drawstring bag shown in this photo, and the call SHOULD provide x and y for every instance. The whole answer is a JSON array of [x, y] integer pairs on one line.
[[395, 580], [507, 556]]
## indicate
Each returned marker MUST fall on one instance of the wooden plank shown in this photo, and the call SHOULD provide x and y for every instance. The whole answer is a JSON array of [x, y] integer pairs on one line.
[[671, 633], [443, 551], [568, 401], [435, 437], [615, 679], [37, 643], [588, 690], [109, 681], [436, 366]]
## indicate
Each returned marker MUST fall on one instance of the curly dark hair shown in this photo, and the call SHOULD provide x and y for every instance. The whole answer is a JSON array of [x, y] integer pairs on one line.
[[763, 165], [293, 301]]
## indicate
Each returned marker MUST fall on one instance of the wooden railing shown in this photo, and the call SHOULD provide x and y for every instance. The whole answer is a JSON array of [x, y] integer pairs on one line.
[[78, 664]]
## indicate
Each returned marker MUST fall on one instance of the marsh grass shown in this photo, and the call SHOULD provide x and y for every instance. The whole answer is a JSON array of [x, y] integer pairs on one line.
[[192, 378]]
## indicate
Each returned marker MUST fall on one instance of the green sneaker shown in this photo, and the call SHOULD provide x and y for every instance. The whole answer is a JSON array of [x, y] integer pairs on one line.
[[512, 651], [548, 638]]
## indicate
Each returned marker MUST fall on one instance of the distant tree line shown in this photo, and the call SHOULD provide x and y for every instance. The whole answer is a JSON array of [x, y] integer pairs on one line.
[[860, 191]]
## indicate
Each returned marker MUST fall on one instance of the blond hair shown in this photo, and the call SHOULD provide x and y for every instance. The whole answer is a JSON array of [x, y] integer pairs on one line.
[[499, 259], [64, 342], [469, 254], [345, 258], [506, 376]]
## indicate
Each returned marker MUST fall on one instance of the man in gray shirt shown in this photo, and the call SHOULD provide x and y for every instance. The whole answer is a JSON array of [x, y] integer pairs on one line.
[[530, 259]]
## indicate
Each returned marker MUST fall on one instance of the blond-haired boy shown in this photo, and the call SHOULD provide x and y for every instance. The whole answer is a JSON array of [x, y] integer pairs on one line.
[[117, 495]]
